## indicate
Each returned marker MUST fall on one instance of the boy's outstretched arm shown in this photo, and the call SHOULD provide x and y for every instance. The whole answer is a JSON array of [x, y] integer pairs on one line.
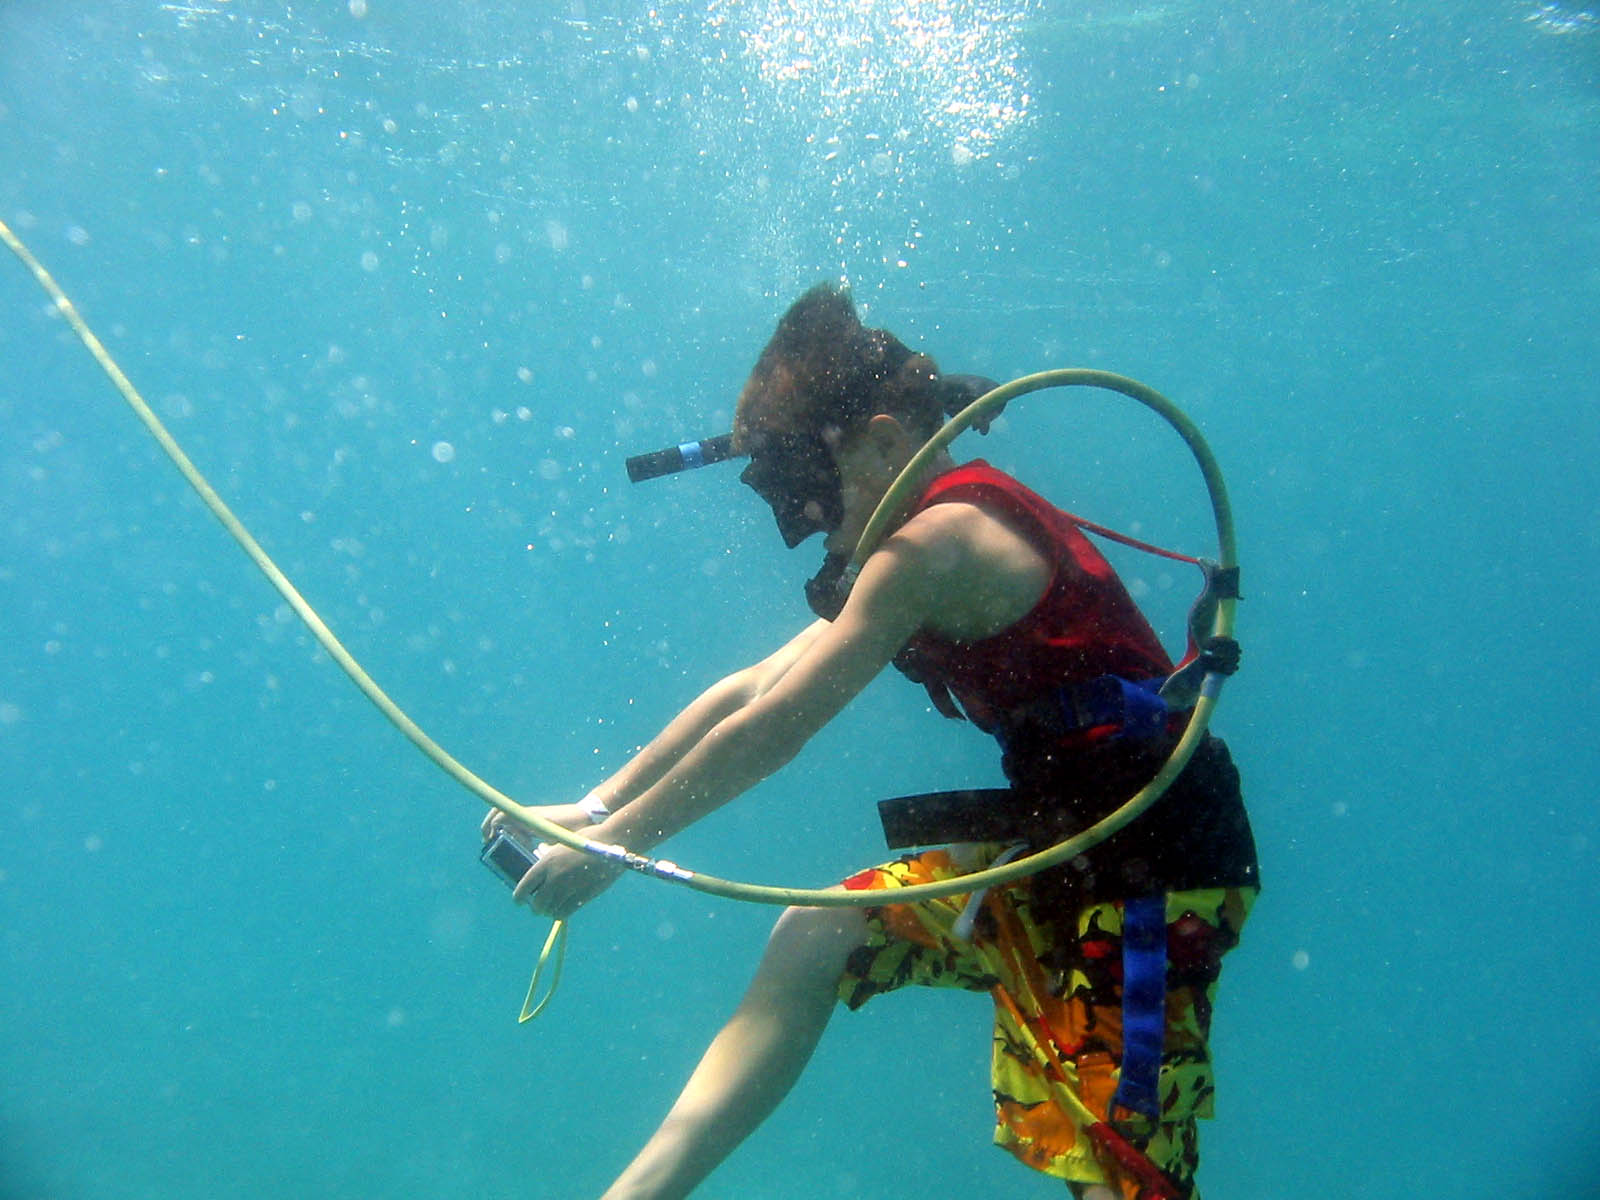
[[676, 739], [754, 738]]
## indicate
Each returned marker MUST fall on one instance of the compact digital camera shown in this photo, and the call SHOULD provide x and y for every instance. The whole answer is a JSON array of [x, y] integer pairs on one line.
[[508, 858]]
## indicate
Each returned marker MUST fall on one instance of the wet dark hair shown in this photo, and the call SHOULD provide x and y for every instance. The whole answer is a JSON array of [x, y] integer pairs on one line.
[[823, 373]]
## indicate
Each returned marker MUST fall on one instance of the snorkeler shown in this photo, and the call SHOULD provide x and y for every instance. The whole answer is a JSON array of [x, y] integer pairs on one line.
[[1103, 970]]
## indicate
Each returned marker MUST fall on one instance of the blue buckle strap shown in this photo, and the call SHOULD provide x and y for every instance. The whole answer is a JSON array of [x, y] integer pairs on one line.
[[1136, 707], [1144, 1004]]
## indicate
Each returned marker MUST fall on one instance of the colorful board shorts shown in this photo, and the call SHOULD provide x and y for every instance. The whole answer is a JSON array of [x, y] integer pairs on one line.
[[1058, 1008]]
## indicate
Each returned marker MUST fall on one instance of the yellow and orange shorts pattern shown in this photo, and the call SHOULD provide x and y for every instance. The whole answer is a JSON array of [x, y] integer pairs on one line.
[[1056, 978]]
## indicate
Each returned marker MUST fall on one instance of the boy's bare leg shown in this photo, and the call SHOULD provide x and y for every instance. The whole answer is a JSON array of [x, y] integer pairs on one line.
[[756, 1058]]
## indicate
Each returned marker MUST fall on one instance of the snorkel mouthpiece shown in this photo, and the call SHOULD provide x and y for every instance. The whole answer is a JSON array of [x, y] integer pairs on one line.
[[829, 588]]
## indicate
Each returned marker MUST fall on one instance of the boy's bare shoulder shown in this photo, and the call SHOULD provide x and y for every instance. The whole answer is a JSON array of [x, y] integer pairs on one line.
[[948, 519], [981, 574], [957, 523]]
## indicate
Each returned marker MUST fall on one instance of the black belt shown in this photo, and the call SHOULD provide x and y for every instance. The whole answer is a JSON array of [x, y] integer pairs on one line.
[[966, 815], [1081, 789]]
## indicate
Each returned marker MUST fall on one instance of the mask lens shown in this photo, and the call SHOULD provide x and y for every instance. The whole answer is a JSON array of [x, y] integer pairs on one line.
[[797, 479]]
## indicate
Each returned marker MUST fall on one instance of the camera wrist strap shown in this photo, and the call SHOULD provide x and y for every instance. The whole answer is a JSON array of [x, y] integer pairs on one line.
[[557, 943]]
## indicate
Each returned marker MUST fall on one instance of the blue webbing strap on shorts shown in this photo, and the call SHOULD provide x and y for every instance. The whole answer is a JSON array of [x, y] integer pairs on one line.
[[1144, 1004]]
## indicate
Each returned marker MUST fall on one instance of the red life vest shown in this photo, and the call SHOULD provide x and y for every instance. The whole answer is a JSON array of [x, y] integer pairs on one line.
[[1085, 625]]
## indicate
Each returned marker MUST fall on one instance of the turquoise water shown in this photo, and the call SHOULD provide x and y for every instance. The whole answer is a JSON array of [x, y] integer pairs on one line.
[[410, 281]]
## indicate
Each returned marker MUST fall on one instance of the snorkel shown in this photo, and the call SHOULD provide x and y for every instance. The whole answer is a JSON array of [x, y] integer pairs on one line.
[[685, 456], [793, 473]]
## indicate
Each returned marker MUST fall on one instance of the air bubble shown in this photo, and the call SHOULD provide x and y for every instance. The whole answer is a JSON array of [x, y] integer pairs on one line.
[[443, 452]]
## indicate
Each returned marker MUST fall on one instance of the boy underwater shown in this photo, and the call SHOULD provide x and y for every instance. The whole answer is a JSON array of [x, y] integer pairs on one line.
[[996, 601]]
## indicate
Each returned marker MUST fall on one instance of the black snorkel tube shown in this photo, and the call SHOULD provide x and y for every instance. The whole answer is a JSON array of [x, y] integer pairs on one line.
[[686, 456]]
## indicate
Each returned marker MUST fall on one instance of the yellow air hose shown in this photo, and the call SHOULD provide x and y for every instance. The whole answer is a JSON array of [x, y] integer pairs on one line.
[[898, 498]]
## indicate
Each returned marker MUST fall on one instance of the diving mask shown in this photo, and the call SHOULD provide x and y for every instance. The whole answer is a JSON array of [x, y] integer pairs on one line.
[[797, 478]]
